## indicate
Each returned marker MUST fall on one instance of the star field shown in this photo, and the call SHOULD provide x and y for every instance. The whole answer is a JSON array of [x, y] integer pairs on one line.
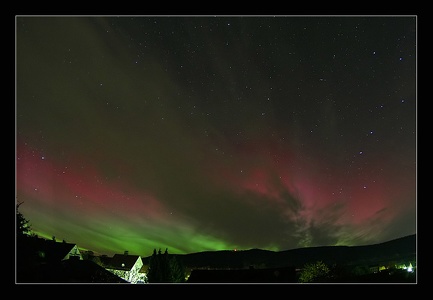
[[198, 133]]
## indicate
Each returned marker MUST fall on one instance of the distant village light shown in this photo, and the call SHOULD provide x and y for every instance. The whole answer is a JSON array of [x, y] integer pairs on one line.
[[410, 268]]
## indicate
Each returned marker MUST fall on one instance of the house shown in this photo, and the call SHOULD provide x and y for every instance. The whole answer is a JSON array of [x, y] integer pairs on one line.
[[48, 261], [68, 271], [57, 251], [42, 251], [128, 267]]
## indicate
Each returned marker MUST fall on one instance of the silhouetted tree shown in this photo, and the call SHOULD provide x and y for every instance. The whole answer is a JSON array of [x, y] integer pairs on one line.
[[153, 273], [315, 272], [23, 244], [23, 225], [164, 268], [177, 270]]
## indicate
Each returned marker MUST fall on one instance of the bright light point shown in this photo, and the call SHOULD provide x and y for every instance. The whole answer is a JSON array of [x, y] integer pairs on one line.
[[410, 268]]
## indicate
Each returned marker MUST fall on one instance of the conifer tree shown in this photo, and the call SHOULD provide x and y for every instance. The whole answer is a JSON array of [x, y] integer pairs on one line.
[[177, 270], [153, 271], [23, 225], [164, 268]]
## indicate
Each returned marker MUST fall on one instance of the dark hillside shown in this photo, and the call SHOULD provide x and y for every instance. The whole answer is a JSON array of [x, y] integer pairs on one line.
[[399, 249]]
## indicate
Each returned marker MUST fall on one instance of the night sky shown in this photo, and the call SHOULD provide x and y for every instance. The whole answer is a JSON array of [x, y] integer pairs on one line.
[[198, 133]]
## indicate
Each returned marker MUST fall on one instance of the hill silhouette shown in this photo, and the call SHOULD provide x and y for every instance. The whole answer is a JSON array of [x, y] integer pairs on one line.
[[398, 250]]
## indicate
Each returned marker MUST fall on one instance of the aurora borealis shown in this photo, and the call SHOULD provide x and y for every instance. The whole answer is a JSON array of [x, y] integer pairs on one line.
[[198, 133]]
